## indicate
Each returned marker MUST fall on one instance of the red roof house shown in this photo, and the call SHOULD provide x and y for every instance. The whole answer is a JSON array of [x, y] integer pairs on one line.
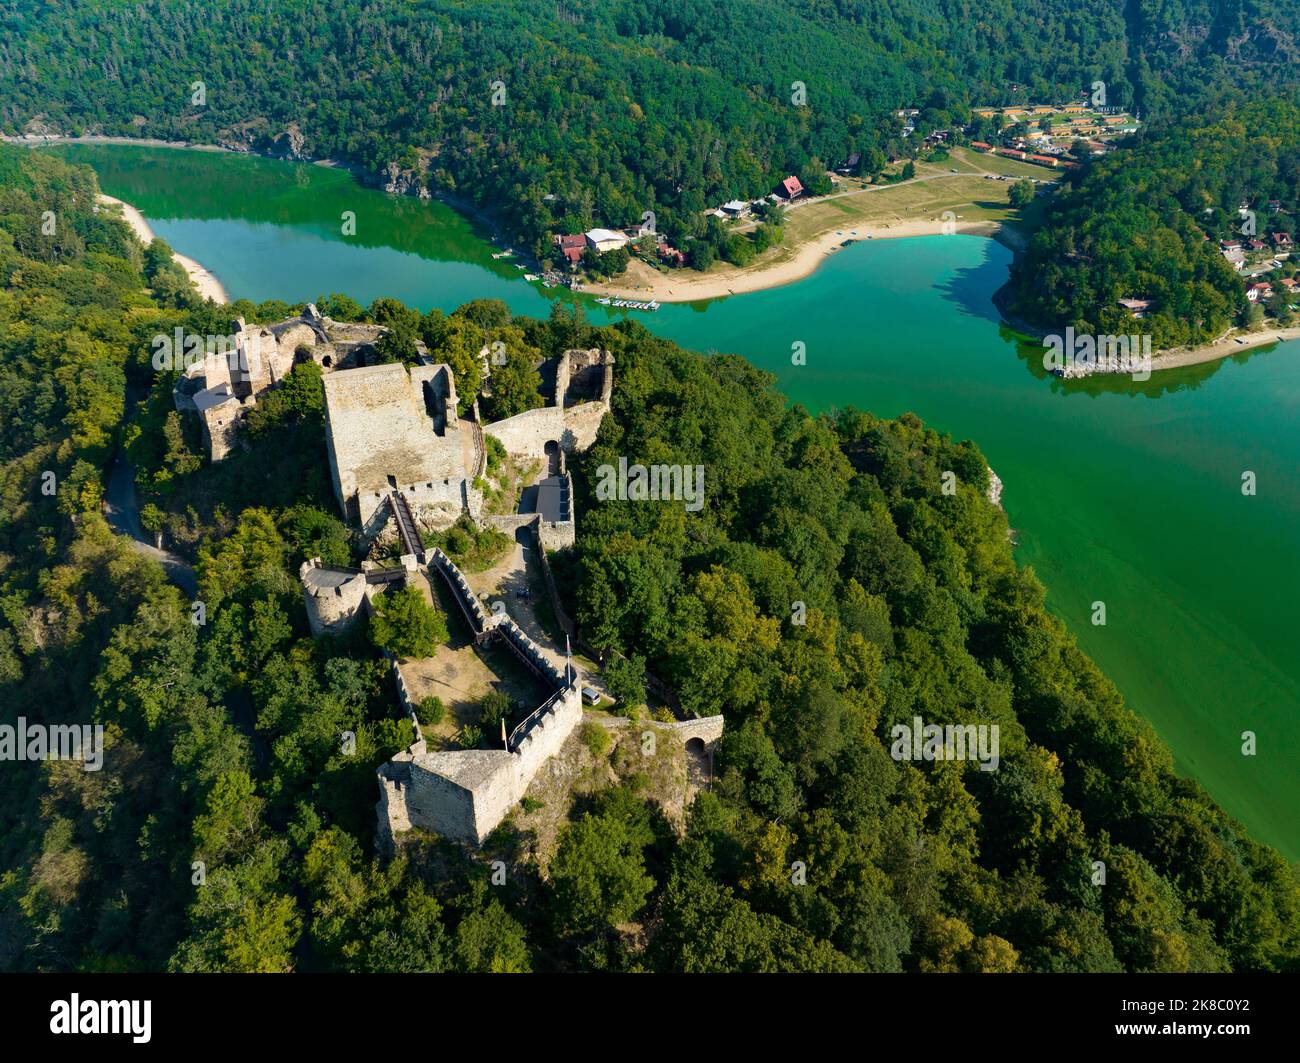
[[790, 187], [571, 246]]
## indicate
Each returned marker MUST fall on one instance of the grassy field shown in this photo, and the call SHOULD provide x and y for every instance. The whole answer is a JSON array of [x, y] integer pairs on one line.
[[968, 193], [963, 184]]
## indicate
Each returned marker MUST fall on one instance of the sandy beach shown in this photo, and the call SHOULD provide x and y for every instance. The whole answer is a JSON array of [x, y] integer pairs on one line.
[[684, 286], [206, 282], [1233, 343]]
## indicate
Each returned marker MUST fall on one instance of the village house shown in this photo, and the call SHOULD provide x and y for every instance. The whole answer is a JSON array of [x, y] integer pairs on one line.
[[1281, 240], [571, 246], [1137, 307], [790, 188], [672, 255], [1259, 290]]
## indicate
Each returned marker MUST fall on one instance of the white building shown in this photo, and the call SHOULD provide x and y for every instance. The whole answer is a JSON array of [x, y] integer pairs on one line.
[[601, 240]]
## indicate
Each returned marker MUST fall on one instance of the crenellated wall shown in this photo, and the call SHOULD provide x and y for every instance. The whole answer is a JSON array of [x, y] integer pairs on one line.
[[465, 794]]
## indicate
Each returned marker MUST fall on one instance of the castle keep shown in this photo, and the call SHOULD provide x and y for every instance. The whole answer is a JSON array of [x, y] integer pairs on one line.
[[388, 429], [400, 451]]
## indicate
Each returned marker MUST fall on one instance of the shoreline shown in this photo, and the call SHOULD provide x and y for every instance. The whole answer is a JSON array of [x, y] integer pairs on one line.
[[654, 285], [1232, 342], [204, 279], [1224, 347], [670, 288]]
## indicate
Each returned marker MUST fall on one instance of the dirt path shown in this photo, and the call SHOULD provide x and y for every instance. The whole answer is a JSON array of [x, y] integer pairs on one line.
[[122, 511]]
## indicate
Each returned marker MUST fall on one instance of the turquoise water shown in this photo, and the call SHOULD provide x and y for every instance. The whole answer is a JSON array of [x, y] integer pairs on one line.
[[1128, 494]]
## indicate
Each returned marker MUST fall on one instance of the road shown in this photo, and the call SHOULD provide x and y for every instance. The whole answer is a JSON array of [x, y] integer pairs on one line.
[[122, 510]]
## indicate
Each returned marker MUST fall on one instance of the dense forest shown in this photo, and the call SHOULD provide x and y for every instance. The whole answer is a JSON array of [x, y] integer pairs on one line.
[[561, 116], [228, 831], [1149, 222]]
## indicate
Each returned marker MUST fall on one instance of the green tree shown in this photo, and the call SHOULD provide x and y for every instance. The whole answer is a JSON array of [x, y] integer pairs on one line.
[[598, 875], [405, 625]]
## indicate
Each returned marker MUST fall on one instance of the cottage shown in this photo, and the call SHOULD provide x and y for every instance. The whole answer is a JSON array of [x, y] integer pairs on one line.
[[790, 188], [671, 255], [1281, 240], [1258, 291], [736, 208], [571, 246], [1137, 307]]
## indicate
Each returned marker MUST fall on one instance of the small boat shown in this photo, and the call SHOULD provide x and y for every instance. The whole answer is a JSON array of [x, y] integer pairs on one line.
[[604, 301]]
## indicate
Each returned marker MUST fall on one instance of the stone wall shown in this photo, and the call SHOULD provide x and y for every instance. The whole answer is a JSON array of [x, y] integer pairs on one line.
[[460, 589], [544, 740], [333, 596], [465, 794], [573, 429], [707, 728]]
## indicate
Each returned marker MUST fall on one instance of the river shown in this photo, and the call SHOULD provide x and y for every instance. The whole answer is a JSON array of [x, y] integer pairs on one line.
[[1122, 493]]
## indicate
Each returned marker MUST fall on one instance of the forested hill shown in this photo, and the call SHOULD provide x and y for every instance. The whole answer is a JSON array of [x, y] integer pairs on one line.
[[228, 831], [610, 107], [1149, 222]]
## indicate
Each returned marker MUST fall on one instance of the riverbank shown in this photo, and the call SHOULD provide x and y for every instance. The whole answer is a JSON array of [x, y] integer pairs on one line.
[[1225, 347], [204, 279], [643, 282], [1232, 342]]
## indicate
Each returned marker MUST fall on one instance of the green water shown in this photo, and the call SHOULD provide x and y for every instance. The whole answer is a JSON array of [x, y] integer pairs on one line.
[[1128, 494]]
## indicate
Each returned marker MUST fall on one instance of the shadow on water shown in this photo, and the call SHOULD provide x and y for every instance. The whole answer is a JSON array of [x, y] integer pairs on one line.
[[1165, 382], [970, 286]]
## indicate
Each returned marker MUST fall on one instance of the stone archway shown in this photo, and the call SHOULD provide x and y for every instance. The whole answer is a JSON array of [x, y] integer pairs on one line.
[[552, 451]]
